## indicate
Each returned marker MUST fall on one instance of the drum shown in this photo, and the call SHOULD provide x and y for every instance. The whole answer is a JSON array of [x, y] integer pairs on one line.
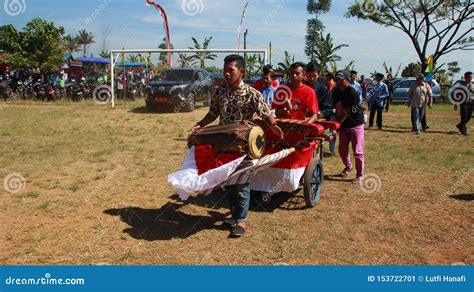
[[241, 137], [293, 132]]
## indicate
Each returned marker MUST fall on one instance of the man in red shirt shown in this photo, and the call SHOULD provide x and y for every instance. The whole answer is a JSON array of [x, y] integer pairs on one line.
[[260, 83], [296, 100]]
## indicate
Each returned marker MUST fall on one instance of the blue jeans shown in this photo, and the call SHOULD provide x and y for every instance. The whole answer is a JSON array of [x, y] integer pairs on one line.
[[417, 114], [239, 201], [332, 143]]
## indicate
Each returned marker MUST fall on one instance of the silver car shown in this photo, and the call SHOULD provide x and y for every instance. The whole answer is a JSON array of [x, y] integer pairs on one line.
[[400, 90]]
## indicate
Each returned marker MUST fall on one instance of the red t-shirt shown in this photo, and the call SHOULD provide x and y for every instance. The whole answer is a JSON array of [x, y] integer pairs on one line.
[[259, 84], [303, 101]]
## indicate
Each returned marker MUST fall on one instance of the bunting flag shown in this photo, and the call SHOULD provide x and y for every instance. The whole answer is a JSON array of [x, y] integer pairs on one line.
[[122, 62], [203, 170], [166, 27], [429, 69]]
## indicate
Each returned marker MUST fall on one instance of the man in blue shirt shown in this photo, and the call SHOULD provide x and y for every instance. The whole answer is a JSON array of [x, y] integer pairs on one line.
[[354, 84], [376, 98], [268, 91]]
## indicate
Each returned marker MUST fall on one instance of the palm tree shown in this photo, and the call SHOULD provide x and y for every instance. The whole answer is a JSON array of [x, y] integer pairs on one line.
[[70, 44], [253, 63], [164, 56], [84, 39], [326, 51], [133, 58], [201, 57], [185, 60], [285, 66], [348, 67], [104, 54]]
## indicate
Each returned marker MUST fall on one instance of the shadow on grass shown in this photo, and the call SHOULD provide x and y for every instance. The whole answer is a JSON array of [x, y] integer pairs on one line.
[[463, 197], [407, 130], [337, 178], [163, 109], [218, 200], [166, 222], [144, 110]]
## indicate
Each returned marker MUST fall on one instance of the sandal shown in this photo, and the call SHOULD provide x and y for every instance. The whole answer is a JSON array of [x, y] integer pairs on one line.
[[239, 230]]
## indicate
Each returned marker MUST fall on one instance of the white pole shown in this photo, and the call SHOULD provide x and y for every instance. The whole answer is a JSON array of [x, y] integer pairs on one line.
[[190, 51], [112, 79]]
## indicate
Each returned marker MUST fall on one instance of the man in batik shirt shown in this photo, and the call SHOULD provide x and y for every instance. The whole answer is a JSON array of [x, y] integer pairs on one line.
[[236, 101]]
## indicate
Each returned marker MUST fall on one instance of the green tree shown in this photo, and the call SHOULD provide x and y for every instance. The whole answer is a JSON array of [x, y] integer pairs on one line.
[[285, 65], [201, 57], [429, 25], [214, 69], [253, 63], [326, 51], [411, 70], [164, 56], [70, 44], [349, 67], [85, 39], [132, 58], [315, 27], [38, 45], [442, 77], [453, 69], [104, 54], [185, 60], [390, 70]]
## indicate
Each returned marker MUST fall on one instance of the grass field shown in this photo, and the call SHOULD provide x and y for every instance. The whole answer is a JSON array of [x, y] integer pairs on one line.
[[95, 192]]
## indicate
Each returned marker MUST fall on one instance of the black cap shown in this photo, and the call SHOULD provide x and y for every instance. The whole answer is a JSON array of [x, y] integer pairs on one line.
[[342, 74]]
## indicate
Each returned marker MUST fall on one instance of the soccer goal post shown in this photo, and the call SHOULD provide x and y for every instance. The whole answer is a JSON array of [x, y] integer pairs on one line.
[[136, 51]]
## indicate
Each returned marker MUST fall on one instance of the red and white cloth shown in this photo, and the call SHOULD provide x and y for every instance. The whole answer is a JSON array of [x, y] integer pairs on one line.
[[203, 169]]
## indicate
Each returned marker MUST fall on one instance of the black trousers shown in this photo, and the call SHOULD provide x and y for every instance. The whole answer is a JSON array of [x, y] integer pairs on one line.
[[374, 108], [466, 113]]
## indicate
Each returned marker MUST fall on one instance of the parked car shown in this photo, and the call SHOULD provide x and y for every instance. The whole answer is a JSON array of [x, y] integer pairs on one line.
[[400, 90], [180, 88]]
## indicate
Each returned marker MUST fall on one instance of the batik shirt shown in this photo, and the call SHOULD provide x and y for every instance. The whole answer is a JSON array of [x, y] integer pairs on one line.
[[237, 105]]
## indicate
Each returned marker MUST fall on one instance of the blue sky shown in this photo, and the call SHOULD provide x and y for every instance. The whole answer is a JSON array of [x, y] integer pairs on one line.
[[283, 22]]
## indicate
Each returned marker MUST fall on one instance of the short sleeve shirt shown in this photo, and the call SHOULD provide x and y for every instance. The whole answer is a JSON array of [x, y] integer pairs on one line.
[[349, 99], [303, 101], [419, 95], [237, 105]]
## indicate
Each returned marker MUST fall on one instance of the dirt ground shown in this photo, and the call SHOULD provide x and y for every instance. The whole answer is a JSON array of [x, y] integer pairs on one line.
[[95, 192]]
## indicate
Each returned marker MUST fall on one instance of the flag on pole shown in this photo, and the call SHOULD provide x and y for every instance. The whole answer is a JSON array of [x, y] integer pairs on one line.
[[122, 62], [429, 69]]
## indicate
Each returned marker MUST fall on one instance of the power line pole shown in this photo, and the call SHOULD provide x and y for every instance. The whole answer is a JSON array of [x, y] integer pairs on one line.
[[245, 54]]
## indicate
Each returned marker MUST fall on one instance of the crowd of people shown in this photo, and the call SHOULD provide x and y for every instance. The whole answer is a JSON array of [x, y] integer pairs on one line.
[[340, 98]]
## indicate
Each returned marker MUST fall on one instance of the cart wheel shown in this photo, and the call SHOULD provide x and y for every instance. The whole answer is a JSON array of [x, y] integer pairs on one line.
[[312, 183]]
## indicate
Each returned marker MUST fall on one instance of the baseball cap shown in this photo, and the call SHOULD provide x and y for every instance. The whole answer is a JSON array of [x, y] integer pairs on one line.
[[342, 74], [420, 75]]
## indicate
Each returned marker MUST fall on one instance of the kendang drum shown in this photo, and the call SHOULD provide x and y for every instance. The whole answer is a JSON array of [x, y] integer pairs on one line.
[[241, 137]]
